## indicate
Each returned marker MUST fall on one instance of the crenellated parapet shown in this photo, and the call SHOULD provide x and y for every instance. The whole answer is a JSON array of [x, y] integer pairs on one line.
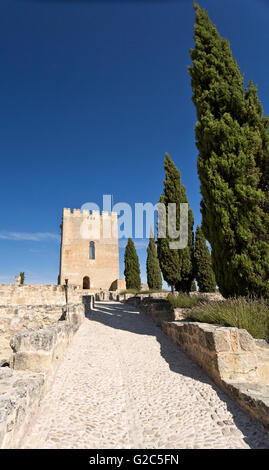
[[67, 212]]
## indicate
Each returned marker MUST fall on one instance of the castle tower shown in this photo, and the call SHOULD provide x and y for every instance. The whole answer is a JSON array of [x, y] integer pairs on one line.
[[89, 249]]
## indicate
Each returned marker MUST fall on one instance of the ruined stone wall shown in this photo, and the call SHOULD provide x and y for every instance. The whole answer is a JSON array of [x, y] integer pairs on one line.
[[32, 306], [238, 363], [38, 294], [36, 355], [39, 350], [21, 317], [158, 309], [235, 360], [211, 296], [118, 285], [21, 392]]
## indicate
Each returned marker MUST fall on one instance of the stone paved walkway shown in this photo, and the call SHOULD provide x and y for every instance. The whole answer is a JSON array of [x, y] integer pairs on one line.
[[124, 384]]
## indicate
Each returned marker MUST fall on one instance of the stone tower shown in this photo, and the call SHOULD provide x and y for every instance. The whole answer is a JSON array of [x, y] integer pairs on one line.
[[89, 249]]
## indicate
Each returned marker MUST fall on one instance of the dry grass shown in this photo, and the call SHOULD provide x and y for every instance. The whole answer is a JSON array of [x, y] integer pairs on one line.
[[185, 301], [242, 312], [135, 291]]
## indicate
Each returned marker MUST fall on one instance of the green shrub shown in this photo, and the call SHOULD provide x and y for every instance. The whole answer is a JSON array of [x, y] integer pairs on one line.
[[153, 291], [129, 291], [242, 312], [149, 291], [185, 301]]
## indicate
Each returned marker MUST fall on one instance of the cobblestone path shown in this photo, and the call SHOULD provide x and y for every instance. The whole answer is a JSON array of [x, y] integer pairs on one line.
[[124, 384]]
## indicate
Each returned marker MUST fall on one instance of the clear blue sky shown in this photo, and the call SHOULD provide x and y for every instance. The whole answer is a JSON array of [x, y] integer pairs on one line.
[[92, 94]]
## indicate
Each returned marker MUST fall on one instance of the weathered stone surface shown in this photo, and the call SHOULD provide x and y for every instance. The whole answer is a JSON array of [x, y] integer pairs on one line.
[[246, 341], [21, 317], [17, 318], [38, 294], [231, 357], [211, 296], [181, 313], [158, 311], [253, 397], [156, 306], [36, 355], [20, 395], [78, 230], [38, 349], [105, 295], [118, 285]]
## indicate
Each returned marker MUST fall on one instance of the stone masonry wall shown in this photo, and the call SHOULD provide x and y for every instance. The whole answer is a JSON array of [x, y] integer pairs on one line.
[[21, 317], [238, 363], [38, 294], [20, 392], [32, 306], [211, 296], [158, 309], [36, 354], [39, 350]]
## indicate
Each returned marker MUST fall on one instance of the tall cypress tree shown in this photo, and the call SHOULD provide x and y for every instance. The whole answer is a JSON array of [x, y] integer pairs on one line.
[[176, 265], [154, 277], [132, 267], [187, 260], [204, 273], [256, 118], [231, 137], [193, 286]]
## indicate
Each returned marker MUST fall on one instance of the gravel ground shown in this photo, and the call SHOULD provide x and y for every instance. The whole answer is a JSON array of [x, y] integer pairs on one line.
[[124, 384]]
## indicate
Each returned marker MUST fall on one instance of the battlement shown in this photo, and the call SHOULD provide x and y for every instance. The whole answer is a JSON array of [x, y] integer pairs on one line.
[[87, 213]]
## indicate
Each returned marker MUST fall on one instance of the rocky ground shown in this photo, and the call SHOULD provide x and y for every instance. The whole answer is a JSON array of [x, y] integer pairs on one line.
[[124, 384]]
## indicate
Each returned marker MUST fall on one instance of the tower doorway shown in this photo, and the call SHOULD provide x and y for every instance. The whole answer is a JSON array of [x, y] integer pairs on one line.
[[86, 282]]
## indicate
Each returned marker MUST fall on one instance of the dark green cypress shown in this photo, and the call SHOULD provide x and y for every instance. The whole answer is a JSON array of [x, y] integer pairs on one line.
[[193, 286], [132, 267], [204, 273], [255, 118], [231, 137], [176, 265], [187, 260], [154, 277]]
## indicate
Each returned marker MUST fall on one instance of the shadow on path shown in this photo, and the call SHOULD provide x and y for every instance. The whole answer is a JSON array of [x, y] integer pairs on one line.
[[129, 318]]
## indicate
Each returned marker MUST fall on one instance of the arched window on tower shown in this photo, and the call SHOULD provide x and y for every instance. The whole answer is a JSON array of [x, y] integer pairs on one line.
[[86, 282], [92, 250]]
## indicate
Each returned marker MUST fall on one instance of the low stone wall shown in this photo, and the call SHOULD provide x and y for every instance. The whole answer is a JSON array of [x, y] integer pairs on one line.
[[33, 306], [158, 309], [21, 317], [36, 355], [211, 296], [39, 294], [106, 295], [238, 363], [152, 295], [39, 350], [20, 395], [118, 284]]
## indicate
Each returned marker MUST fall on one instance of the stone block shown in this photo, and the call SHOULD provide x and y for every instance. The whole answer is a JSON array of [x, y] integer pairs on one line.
[[238, 363], [246, 341]]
